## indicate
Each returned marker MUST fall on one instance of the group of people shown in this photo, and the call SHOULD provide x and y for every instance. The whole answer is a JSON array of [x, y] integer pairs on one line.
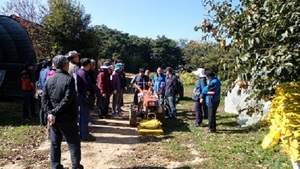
[[68, 87], [59, 100], [165, 86], [207, 98]]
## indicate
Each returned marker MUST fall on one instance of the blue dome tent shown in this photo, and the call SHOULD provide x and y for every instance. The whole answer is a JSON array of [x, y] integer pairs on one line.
[[15, 49]]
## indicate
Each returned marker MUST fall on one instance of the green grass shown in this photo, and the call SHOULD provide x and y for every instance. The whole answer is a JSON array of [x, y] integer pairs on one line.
[[231, 147], [18, 137]]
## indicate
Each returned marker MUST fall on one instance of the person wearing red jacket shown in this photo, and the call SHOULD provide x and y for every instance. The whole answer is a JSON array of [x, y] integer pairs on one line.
[[28, 90], [103, 83]]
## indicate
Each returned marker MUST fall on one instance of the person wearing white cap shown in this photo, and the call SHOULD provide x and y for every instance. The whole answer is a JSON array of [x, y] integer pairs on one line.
[[200, 108], [103, 83], [73, 57]]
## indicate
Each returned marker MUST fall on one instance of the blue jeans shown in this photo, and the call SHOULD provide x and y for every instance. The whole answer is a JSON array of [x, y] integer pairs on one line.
[[43, 119], [161, 99], [171, 106], [84, 114], [69, 130]]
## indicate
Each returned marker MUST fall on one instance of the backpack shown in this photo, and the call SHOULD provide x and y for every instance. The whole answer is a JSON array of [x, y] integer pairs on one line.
[[195, 95]]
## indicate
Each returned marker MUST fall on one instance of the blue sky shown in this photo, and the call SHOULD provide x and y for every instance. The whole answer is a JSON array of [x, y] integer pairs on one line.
[[147, 18]]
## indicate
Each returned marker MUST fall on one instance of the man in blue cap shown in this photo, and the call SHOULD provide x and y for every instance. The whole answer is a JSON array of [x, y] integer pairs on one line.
[[117, 90]]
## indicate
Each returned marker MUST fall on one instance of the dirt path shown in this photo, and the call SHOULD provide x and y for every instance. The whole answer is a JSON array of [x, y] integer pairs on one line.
[[114, 137]]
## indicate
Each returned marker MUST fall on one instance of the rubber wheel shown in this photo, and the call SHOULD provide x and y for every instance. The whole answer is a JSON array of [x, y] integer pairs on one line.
[[132, 117], [161, 116]]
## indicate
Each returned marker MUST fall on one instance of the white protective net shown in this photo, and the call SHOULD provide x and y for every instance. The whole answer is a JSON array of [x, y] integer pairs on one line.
[[235, 103]]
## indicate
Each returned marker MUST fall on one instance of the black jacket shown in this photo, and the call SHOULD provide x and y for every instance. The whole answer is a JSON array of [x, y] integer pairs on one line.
[[59, 96], [171, 86]]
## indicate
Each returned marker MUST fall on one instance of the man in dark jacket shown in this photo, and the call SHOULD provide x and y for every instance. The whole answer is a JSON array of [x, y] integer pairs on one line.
[[60, 104], [170, 92], [84, 90]]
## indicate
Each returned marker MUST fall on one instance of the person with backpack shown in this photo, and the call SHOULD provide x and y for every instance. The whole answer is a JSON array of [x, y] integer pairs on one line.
[[200, 108], [171, 90], [212, 94]]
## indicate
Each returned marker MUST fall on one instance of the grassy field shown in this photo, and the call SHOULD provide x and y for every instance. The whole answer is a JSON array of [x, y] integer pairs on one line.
[[18, 137], [231, 147]]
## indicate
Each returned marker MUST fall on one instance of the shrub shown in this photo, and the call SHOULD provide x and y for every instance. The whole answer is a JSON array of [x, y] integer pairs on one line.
[[188, 78]]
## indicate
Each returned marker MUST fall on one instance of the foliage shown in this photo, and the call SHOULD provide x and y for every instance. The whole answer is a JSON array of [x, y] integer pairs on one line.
[[205, 55], [266, 34], [188, 78], [67, 27], [137, 52], [31, 10], [165, 52]]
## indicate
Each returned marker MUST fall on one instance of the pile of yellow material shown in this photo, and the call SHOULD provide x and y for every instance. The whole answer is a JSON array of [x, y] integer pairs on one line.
[[150, 127], [285, 120]]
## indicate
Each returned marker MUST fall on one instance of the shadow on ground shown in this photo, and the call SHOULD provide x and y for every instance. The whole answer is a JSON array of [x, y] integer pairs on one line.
[[152, 167], [11, 115], [229, 121]]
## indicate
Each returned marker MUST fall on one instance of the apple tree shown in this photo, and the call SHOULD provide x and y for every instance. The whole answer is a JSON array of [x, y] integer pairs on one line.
[[266, 34]]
